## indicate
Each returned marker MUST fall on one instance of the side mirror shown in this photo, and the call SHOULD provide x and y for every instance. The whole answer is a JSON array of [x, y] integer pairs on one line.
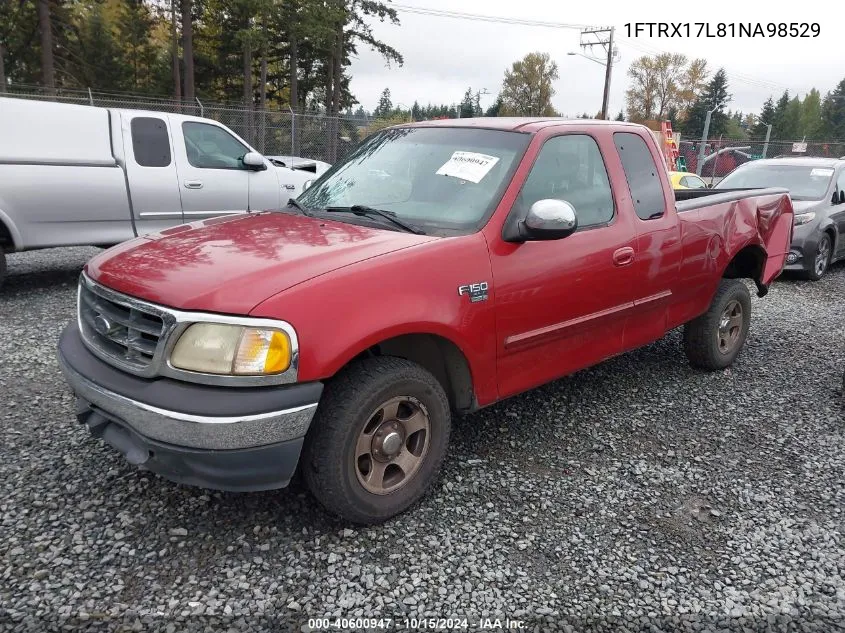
[[307, 184], [548, 219], [254, 161]]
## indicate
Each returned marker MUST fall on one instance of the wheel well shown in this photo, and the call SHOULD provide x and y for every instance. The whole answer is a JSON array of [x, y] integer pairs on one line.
[[438, 355], [829, 230], [6, 241], [748, 264]]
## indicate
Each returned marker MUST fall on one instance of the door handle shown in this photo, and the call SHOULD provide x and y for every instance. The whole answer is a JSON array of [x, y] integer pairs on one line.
[[193, 184], [623, 256]]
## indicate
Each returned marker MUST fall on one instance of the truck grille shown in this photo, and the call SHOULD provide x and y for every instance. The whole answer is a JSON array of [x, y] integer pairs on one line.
[[124, 332]]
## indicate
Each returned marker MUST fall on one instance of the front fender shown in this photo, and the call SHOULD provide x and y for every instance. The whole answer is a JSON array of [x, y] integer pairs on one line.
[[339, 315]]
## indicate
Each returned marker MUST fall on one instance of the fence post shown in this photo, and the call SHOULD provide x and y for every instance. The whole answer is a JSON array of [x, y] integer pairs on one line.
[[199, 103], [766, 142], [292, 131], [699, 164], [90, 96]]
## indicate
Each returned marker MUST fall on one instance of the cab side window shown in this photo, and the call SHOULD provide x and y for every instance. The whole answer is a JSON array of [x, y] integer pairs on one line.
[[641, 174], [211, 147], [571, 168], [150, 142]]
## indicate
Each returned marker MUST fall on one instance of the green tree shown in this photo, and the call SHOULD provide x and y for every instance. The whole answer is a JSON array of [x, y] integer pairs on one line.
[[833, 112], [527, 88], [101, 62], [620, 116], [385, 105], [134, 26], [766, 118], [467, 107], [714, 97], [496, 108], [811, 123]]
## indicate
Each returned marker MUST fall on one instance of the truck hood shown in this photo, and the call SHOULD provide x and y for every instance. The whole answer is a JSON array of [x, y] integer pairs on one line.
[[230, 265]]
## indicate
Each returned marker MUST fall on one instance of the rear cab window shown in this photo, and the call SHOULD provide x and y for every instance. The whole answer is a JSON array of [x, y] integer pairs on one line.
[[150, 142], [641, 174]]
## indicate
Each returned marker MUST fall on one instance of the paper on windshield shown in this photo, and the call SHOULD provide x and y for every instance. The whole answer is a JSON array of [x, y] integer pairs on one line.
[[470, 166], [821, 172]]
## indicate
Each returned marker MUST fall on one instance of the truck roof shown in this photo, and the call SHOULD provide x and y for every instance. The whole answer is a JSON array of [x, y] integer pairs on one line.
[[513, 124]]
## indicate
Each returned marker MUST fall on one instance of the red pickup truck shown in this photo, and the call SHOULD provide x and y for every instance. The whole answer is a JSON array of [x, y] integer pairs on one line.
[[441, 267]]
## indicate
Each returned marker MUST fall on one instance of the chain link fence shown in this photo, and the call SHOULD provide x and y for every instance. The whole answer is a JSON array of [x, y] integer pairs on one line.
[[316, 136], [271, 132], [723, 155]]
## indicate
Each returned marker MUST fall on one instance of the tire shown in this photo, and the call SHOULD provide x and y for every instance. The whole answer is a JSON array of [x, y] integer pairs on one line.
[[345, 466], [710, 341], [821, 258], [2, 266]]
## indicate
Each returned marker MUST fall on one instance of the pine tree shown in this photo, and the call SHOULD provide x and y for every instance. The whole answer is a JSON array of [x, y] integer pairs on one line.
[[494, 109], [766, 118], [779, 122], [103, 64], [620, 116], [416, 112], [134, 26], [714, 97], [833, 112], [467, 107], [385, 105]]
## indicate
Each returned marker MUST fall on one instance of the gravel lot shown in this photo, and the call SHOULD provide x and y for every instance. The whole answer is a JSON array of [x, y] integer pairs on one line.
[[637, 494]]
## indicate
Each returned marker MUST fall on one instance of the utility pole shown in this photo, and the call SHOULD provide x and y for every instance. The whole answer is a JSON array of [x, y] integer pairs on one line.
[[601, 37]]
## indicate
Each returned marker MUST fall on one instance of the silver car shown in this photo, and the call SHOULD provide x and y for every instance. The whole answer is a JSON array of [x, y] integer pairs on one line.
[[817, 189]]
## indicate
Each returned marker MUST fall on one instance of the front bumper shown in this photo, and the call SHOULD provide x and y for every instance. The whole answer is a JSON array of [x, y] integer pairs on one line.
[[802, 251], [226, 438]]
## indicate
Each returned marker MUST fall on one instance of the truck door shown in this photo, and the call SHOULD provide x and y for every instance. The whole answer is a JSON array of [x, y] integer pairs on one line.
[[561, 304], [151, 171], [212, 178], [651, 204]]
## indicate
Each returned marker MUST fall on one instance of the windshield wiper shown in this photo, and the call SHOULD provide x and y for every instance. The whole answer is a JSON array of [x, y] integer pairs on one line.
[[363, 210], [296, 204]]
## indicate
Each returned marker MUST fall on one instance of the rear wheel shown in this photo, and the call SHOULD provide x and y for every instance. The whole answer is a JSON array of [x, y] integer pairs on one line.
[[821, 260], [377, 440], [713, 340]]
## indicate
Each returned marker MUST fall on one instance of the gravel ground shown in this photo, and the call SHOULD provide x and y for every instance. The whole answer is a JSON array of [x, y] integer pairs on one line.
[[637, 495]]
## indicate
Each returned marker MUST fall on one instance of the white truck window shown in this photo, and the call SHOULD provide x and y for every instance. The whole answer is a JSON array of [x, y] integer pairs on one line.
[[211, 147], [150, 142]]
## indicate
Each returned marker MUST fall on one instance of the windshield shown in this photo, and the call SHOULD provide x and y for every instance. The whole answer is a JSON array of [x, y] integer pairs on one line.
[[803, 181], [436, 178]]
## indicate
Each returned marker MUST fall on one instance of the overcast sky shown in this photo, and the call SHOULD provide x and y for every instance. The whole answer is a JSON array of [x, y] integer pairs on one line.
[[444, 56]]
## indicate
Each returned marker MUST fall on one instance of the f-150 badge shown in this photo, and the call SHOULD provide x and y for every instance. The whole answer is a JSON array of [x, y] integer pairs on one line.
[[477, 291]]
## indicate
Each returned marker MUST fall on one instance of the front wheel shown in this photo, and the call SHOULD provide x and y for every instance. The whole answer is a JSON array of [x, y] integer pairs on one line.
[[713, 340], [378, 439], [822, 258]]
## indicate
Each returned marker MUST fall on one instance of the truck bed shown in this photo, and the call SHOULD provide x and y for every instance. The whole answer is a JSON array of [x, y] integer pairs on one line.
[[690, 199]]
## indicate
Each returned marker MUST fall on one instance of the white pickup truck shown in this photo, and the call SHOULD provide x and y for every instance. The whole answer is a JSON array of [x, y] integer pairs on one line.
[[78, 175]]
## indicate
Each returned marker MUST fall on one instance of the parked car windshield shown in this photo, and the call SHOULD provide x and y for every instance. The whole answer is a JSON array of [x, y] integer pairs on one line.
[[434, 177], [803, 181]]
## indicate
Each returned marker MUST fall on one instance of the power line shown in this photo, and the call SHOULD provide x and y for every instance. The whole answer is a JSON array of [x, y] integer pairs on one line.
[[458, 15]]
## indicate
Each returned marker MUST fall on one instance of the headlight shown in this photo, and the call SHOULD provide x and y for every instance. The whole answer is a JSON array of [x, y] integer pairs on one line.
[[804, 218], [214, 348]]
